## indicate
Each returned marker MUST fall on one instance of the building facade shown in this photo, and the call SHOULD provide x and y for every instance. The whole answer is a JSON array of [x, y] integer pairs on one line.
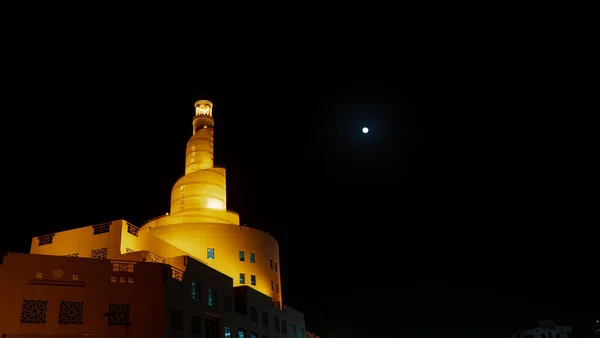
[[545, 329], [194, 272]]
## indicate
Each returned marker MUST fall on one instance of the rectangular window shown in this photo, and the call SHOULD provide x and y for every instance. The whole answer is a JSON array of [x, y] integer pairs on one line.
[[195, 291], [227, 331], [284, 326], [253, 314], [241, 256], [275, 266], [119, 313], [34, 311], [277, 287], [276, 323], [212, 298], [271, 263], [210, 253], [265, 316], [252, 257], [253, 279], [196, 324], [293, 327], [253, 335], [241, 333], [177, 319], [242, 278], [272, 285], [39, 275], [228, 306]]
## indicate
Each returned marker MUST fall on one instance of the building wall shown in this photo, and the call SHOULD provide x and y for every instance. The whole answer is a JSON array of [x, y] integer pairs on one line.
[[121, 240], [545, 332], [112, 240], [49, 280], [227, 240]]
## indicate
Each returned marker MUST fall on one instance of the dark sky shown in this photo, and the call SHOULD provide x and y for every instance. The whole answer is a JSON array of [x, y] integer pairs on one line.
[[444, 221]]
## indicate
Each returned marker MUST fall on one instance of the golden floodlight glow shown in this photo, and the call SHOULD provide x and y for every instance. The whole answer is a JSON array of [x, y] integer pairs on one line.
[[198, 224], [199, 219], [204, 107]]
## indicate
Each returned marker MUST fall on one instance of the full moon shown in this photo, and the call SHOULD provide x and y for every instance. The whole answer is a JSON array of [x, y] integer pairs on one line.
[[365, 130]]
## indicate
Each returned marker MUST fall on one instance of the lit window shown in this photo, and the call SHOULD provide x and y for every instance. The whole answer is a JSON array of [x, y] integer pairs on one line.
[[241, 256], [242, 278], [212, 298], [75, 276], [195, 291], [211, 253], [253, 279], [241, 333], [113, 279], [39, 275], [252, 257], [129, 279], [227, 331]]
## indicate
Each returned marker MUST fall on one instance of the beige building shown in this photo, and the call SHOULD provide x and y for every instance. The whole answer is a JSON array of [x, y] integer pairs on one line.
[[194, 272]]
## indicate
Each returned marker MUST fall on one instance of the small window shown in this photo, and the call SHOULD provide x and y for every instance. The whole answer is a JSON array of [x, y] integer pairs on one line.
[[253, 314], [270, 263], [212, 298], [196, 324], [195, 294], [277, 287], [75, 276], [210, 253], [241, 256], [242, 278], [275, 266], [113, 279], [252, 258], [272, 286], [130, 280], [39, 275], [253, 279]]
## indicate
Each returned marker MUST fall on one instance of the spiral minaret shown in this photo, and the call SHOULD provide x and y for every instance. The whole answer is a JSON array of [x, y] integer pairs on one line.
[[200, 224]]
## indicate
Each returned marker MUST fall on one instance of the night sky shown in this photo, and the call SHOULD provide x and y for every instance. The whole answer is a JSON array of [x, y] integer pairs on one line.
[[440, 222]]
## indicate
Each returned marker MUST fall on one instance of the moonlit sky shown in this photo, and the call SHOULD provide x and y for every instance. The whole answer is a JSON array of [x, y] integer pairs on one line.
[[425, 227]]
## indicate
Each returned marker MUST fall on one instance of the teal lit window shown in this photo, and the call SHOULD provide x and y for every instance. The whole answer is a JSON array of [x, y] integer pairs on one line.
[[253, 279], [241, 256], [253, 335], [242, 278], [227, 331], [241, 332], [195, 291], [212, 298], [252, 257], [210, 253]]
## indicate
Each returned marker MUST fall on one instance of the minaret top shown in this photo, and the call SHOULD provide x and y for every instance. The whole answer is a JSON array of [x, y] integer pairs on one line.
[[203, 108]]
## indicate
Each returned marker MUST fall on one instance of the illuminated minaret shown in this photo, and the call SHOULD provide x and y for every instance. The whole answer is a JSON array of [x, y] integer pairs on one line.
[[200, 224], [202, 186], [199, 154]]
